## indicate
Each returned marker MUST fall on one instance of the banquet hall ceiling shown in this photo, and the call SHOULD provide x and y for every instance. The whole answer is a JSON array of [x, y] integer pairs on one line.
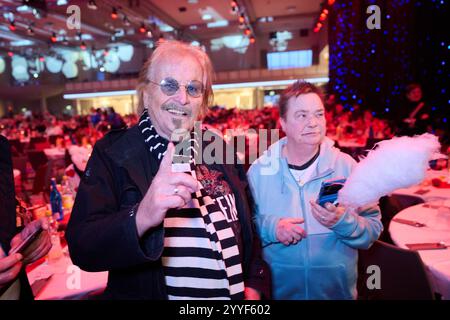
[[43, 24]]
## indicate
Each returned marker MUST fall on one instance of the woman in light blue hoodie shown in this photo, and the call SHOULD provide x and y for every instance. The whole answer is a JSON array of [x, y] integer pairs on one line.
[[312, 251]]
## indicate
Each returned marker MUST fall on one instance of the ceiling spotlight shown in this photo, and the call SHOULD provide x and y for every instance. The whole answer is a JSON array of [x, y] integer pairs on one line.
[[83, 45], [92, 5], [53, 37], [102, 69], [247, 32], [10, 53], [142, 28], [114, 13], [41, 59], [234, 7], [35, 75], [149, 34], [241, 18], [252, 39], [12, 25], [30, 31]]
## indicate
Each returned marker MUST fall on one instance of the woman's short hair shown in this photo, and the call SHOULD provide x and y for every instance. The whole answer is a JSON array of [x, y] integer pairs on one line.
[[410, 87], [162, 49], [297, 88]]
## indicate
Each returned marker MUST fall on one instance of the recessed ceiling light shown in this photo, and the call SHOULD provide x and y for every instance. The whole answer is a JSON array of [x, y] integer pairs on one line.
[[206, 16], [291, 8], [217, 24]]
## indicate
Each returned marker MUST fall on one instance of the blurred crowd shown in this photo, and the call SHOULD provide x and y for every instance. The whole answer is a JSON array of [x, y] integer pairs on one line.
[[78, 129], [356, 123]]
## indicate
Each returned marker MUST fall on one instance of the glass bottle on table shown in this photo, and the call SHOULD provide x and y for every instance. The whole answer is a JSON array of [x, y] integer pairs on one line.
[[67, 194], [56, 250], [56, 201]]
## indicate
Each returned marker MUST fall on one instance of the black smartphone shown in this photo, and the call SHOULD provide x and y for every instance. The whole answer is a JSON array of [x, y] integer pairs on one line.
[[27, 241], [329, 191]]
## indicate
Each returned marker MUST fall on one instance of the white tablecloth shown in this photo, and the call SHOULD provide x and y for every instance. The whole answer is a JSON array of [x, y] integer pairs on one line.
[[16, 174], [437, 262], [63, 279], [351, 144], [427, 191], [55, 153]]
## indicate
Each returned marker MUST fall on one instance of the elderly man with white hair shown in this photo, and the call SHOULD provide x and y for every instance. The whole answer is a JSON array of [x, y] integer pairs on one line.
[[163, 234]]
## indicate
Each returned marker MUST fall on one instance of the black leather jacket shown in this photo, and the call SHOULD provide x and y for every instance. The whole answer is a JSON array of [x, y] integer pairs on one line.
[[102, 233]]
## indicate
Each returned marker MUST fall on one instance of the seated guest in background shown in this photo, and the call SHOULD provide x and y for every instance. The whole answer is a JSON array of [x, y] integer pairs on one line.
[[312, 250], [415, 115], [114, 119], [78, 156], [95, 116], [330, 102], [164, 234], [13, 280], [10, 113], [54, 129], [356, 113], [339, 112]]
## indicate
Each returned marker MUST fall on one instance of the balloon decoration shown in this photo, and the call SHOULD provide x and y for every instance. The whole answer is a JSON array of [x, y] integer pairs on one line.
[[68, 62], [20, 68], [125, 52]]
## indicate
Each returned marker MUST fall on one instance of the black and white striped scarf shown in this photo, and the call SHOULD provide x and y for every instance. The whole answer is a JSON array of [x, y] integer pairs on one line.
[[220, 277]]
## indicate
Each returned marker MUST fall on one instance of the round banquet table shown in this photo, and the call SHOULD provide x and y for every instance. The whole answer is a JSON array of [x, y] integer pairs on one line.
[[61, 280], [436, 229], [55, 153], [426, 190]]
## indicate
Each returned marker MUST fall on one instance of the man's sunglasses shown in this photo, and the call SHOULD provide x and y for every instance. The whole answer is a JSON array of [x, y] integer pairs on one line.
[[170, 86]]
